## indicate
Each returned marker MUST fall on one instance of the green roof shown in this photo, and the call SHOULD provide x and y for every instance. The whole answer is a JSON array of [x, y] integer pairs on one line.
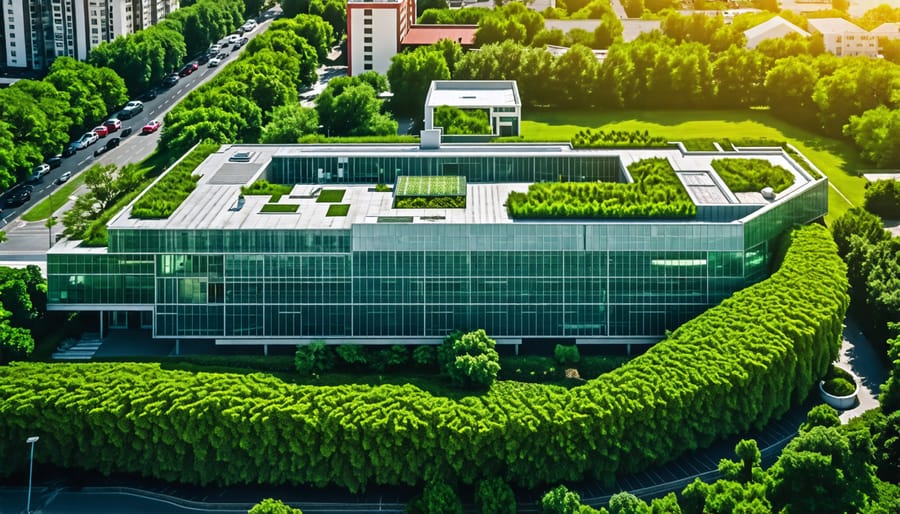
[[430, 186]]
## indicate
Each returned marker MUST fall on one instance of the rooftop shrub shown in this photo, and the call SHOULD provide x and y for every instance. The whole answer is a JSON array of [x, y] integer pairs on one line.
[[733, 368], [655, 193], [264, 188], [430, 202], [751, 175], [161, 200], [593, 138]]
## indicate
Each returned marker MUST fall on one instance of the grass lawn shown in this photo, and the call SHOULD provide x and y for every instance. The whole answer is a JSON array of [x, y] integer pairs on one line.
[[43, 209], [338, 209], [280, 207], [431, 186], [837, 159], [331, 196]]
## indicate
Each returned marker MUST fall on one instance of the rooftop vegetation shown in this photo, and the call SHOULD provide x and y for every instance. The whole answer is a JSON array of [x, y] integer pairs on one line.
[[331, 196], [655, 193], [264, 187], [174, 187], [431, 202], [595, 138], [338, 209], [737, 366], [431, 186], [279, 207], [747, 175]]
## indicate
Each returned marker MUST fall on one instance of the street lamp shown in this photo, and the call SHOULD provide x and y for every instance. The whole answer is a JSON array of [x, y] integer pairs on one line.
[[31, 440]]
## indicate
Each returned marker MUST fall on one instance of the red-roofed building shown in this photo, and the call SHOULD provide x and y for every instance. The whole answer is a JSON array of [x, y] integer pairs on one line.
[[420, 35]]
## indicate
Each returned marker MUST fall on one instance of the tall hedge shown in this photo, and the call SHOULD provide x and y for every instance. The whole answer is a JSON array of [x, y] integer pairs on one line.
[[735, 367]]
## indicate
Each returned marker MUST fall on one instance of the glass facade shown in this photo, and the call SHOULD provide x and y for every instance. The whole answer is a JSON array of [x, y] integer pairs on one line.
[[573, 279]]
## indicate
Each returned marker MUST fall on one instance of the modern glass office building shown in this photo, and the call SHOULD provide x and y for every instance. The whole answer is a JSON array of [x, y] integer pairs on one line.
[[222, 268]]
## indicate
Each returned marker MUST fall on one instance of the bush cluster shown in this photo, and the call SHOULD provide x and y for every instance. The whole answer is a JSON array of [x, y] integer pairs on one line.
[[883, 199], [316, 357], [161, 200], [594, 138], [431, 202], [566, 354], [655, 193], [751, 175], [470, 360], [737, 366], [265, 188]]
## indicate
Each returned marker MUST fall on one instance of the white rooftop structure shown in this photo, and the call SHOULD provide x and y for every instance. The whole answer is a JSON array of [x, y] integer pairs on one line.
[[843, 38], [776, 27], [888, 30], [833, 26], [499, 97]]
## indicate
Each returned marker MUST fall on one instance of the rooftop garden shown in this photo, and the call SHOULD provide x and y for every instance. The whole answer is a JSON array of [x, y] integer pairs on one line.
[[279, 208], [655, 193], [593, 138], [445, 192], [174, 187], [749, 175], [264, 187], [338, 209], [331, 196]]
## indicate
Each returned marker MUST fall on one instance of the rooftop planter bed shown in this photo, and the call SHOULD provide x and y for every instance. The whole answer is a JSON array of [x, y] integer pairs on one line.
[[442, 192], [655, 193], [279, 207], [264, 187], [331, 196], [749, 175], [591, 138], [338, 209], [167, 194]]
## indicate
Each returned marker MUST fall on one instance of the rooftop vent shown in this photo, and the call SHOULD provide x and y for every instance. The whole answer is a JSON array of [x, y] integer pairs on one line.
[[241, 157], [768, 193]]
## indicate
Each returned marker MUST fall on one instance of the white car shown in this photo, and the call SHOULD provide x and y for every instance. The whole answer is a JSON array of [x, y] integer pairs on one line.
[[232, 39], [40, 170], [87, 140], [215, 61], [215, 48], [64, 177]]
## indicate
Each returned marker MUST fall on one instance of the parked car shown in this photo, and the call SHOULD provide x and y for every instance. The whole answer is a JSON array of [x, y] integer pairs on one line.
[[112, 124], [222, 56], [101, 130], [125, 132], [151, 127], [170, 80], [239, 43], [40, 170], [187, 69], [214, 49], [19, 197], [149, 94], [130, 110], [203, 59], [249, 25], [215, 61], [87, 140], [70, 150], [112, 143], [64, 177], [233, 38], [54, 162]]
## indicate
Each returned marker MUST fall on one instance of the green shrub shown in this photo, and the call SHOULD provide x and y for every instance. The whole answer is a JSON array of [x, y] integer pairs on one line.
[[352, 354], [458, 121], [738, 365], [331, 196], [656, 192], [314, 358], [593, 138], [823, 415], [470, 359], [839, 387], [425, 356], [161, 200], [627, 503], [560, 500], [494, 496], [383, 188], [566, 354], [838, 372], [270, 506], [883, 199], [264, 188], [752, 175], [437, 498]]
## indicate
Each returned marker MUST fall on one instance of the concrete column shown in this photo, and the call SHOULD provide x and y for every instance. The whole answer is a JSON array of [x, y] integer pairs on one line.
[[178, 347]]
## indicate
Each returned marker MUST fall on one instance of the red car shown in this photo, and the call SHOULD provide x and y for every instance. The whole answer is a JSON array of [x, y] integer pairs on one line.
[[151, 127], [101, 131], [112, 125]]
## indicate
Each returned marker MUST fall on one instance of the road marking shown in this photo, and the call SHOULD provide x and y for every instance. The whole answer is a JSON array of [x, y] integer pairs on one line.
[[84, 161]]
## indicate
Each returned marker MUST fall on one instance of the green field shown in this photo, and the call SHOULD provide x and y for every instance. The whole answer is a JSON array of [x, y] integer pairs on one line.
[[431, 186], [837, 159]]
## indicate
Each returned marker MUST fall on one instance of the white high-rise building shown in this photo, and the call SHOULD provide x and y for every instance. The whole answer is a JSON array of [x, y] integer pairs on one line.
[[38, 31], [374, 32]]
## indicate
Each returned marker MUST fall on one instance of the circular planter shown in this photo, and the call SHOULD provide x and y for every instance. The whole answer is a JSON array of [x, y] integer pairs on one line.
[[839, 402]]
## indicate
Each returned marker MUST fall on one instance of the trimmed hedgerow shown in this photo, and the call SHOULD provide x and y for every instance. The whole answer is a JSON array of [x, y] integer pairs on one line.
[[655, 193], [735, 367], [594, 138], [166, 195], [747, 175]]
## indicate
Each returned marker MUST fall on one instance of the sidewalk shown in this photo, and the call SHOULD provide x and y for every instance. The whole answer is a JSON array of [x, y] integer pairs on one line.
[[858, 357]]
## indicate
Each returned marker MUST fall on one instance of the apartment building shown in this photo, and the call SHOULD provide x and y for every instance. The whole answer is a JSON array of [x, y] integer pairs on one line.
[[844, 38], [36, 32], [375, 30]]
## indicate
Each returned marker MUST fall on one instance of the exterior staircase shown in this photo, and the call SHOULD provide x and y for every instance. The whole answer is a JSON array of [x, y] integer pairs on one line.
[[84, 349]]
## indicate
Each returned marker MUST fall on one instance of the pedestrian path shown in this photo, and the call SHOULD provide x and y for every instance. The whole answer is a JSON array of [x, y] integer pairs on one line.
[[860, 359]]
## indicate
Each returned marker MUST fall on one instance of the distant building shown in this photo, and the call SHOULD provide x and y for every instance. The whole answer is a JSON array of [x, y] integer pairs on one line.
[[36, 32], [374, 32], [888, 30], [424, 35], [500, 98], [843, 38], [776, 27]]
